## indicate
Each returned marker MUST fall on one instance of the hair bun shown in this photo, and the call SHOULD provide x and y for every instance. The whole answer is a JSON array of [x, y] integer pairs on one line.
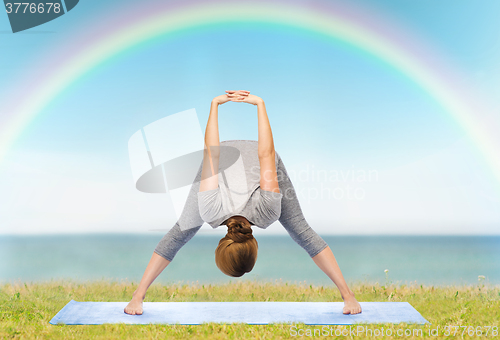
[[239, 232]]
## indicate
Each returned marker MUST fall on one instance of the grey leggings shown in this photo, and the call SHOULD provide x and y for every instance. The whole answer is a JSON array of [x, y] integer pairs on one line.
[[291, 218]]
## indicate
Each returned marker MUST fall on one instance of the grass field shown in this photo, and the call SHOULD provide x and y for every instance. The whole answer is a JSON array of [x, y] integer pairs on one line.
[[26, 309]]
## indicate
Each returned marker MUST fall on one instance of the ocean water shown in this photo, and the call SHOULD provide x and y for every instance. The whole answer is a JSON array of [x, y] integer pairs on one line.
[[432, 260]]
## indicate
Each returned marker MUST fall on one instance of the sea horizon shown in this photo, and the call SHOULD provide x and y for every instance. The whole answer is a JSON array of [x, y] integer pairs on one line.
[[408, 259]]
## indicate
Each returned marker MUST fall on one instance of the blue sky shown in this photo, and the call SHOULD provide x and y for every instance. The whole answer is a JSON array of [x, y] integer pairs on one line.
[[332, 108]]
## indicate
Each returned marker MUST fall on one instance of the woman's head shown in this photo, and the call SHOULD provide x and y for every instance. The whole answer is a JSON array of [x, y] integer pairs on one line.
[[237, 251]]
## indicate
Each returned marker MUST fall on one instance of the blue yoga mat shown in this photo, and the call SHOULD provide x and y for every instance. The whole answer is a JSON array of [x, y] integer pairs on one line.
[[253, 313]]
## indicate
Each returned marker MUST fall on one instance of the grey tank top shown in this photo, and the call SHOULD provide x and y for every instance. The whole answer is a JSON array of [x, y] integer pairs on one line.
[[239, 191]]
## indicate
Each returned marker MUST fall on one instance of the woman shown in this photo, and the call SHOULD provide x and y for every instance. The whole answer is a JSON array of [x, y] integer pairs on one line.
[[258, 200]]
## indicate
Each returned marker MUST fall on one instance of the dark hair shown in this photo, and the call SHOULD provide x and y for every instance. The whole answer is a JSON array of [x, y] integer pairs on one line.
[[237, 251]]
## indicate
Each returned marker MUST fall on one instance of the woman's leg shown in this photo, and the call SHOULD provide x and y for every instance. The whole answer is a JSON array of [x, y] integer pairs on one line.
[[297, 227], [154, 268], [164, 253], [169, 245], [326, 261]]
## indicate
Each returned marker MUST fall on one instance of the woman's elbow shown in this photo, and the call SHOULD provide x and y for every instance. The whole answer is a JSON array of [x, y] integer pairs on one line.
[[213, 153], [266, 153]]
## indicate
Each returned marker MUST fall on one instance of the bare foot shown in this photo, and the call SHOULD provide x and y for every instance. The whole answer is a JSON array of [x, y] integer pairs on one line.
[[134, 307], [351, 305]]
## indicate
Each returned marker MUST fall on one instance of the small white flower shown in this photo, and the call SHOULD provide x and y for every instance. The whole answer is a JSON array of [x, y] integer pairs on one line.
[[386, 271], [480, 277]]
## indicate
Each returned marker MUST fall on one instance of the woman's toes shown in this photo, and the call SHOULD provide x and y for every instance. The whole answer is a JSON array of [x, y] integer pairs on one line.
[[129, 311]]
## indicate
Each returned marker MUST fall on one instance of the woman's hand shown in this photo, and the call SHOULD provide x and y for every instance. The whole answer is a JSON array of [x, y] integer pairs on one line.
[[229, 96], [244, 96]]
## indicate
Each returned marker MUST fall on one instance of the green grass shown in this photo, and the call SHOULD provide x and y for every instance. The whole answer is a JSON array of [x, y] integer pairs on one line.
[[26, 308]]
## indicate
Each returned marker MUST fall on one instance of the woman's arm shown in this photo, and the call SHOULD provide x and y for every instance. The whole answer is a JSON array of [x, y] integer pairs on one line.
[[209, 178], [209, 174], [267, 154]]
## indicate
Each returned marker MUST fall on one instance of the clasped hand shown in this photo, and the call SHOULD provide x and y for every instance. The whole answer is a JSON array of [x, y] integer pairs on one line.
[[237, 96]]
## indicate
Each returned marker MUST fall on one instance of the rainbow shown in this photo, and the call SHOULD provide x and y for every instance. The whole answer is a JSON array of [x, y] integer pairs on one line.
[[144, 25]]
